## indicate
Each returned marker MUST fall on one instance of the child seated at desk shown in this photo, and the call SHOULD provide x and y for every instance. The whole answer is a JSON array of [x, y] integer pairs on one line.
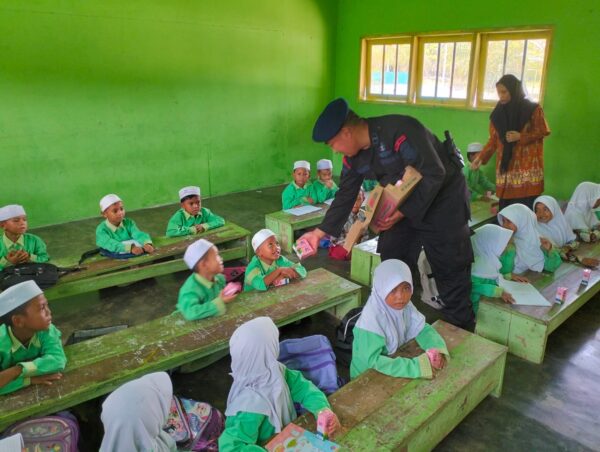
[[261, 400], [31, 351], [202, 294], [580, 212], [531, 251], [17, 245], [298, 192], [324, 187], [117, 236], [477, 182], [268, 267], [192, 218], [389, 320]]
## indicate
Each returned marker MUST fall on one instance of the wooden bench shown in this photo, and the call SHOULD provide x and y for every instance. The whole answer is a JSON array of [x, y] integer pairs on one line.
[[284, 224], [382, 413], [365, 256], [98, 366], [525, 329], [100, 272]]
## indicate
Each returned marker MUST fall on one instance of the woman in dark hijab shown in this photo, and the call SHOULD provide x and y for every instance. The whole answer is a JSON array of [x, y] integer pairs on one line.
[[517, 130]]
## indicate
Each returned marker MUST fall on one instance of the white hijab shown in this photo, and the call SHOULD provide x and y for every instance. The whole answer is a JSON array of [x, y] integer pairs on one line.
[[134, 414], [259, 384], [396, 326], [580, 213], [489, 242], [557, 229], [527, 239]]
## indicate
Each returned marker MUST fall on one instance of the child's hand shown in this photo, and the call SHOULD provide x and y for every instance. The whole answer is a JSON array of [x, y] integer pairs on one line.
[[289, 272], [227, 298], [199, 228], [475, 164], [136, 250], [13, 257], [149, 248], [328, 183], [436, 359], [518, 278], [10, 374], [589, 262], [46, 379], [545, 244], [332, 422], [310, 200], [508, 298]]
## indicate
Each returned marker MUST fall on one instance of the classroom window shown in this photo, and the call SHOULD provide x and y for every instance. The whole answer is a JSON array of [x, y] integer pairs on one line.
[[389, 67]]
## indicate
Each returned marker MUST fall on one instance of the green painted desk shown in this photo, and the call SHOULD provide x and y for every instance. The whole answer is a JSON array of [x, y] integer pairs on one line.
[[100, 272], [98, 366], [382, 413], [525, 329], [284, 224]]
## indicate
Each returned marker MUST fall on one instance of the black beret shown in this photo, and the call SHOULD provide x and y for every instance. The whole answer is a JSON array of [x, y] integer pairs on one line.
[[330, 121]]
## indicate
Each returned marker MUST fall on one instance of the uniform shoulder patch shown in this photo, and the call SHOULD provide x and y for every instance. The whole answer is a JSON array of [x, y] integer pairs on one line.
[[401, 139]]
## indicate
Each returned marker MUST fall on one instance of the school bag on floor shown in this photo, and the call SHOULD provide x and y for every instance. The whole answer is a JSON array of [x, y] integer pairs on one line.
[[314, 357], [195, 426], [43, 273], [344, 336], [430, 294], [56, 433]]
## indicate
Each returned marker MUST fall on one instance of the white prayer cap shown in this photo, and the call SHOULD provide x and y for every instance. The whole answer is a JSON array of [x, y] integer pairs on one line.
[[11, 211], [108, 201], [474, 147], [189, 191], [260, 237], [195, 252], [324, 164], [18, 295], [302, 164]]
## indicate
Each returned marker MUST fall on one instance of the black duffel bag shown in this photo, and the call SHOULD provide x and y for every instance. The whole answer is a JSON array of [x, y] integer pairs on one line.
[[44, 274]]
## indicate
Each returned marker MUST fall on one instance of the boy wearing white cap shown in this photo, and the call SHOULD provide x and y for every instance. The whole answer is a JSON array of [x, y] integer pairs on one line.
[[202, 293], [477, 183], [298, 192], [16, 245], [192, 218], [268, 267], [324, 187], [31, 351], [119, 235]]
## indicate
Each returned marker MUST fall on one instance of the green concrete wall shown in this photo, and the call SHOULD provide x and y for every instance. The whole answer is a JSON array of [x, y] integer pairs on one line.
[[571, 104], [143, 97]]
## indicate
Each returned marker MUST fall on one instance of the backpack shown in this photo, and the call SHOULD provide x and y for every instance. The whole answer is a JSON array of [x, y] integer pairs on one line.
[[430, 294], [344, 336], [195, 426], [45, 275], [58, 433], [314, 357]]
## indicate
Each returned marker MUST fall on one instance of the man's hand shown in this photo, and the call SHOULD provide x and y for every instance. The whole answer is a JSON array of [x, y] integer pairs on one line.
[[390, 221], [313, 237]]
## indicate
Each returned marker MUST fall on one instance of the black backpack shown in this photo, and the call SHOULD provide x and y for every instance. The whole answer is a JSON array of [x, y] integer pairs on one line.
[[344, 336], [44, 274]]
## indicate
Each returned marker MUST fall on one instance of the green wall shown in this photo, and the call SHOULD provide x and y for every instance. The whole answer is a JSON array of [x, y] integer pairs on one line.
[[572, 99], [143, 97]]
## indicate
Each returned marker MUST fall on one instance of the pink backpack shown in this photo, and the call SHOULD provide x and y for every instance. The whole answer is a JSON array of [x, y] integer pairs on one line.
[[57, 433], [195, 426]]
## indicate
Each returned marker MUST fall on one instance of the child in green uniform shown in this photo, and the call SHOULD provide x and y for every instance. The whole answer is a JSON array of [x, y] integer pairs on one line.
[[298, 193], [489, 244], [192, 218], [17, 246], [324, 187], [202, 293], [261, 399], [268, 267], [581, 214], [118, 235], [477, 182], [31, 351], [389, 320]]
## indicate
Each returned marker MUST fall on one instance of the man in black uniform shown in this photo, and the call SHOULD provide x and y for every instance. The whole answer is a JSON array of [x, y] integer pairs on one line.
[[435, 216]]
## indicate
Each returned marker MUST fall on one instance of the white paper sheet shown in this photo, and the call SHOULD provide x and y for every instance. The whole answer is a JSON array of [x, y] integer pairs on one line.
[[302, 210], [12, 443], [524, 293], [328, 201]]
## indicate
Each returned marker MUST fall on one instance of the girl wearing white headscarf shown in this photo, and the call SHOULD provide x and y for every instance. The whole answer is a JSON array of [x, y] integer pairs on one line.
[[531, 251], [580, 211], [134, 414], [489, 243], [261, 399], [389, 320]]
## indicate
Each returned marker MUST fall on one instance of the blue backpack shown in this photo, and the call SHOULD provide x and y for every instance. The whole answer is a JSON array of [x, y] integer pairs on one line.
[[314, 357]]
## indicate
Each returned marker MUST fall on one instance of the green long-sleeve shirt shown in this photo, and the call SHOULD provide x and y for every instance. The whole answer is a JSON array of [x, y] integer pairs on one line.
[[369, 184], [477, 182], [34, 245], [200, 298], [369, 352], [293, 195], [43, 355], [257, 270], [182, 223], [245, 430], [110, 237], [552, 260], [482, 287], [321, 192]]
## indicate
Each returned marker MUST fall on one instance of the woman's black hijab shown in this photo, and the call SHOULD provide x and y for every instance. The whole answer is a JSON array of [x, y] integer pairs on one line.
[[511, 116]]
